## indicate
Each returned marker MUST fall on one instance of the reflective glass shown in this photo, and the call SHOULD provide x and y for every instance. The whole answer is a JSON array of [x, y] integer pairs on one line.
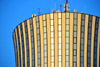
[[75, 28], [67, 27], [59, 21], [75, 22], [67, 58], [67, 46], [44, 23], [44, 17], [59, 27], [67, 34], [52, 46], [59, 15], [67, 40], [51, 15], [52, 29], [67, 21], [52, 59], [74, 52], [52, 40], [67, 64], [74, 58], [59, 58], [67, 52], [45, 36], [59, 33], [52, 34], [59, 52], [67, 15], [74, 46], [52, 22], [52, 52], [59, 40], [59, 64], [59, 46]]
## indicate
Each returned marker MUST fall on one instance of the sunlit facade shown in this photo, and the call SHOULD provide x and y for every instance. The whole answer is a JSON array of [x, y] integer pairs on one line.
[[61, 39]]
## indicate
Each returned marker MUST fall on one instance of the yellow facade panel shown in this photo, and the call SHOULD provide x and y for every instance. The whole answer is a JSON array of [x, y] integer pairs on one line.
[[20, 46], [71, 40], [63, 39], [35, 41], [78, 39], [98, 47], [56, 38], [86, 39], [92, 40], [17, 47], [24, 38], [48, 39], [29, 40], [41, 40]]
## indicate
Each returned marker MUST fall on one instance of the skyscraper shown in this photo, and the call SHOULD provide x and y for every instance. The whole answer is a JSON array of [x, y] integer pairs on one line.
[[58, 39]]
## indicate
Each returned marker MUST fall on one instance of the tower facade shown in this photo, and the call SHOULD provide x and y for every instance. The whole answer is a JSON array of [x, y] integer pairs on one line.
[[61, 39]]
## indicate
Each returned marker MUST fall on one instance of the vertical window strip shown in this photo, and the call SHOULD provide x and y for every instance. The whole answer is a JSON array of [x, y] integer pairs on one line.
[[59, 40], [52, 40], [16, 49], [75, 41], [22, 45], [32, 42], [38, 41], [19, 47], [82, 41], [95, 41], [27, 45], [45, 40], [67, 39], [89, 41]]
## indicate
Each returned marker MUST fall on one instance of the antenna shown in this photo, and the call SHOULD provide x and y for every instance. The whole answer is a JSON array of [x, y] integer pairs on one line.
[[39, 11], [66, 7], [66, 1], [60, 6]]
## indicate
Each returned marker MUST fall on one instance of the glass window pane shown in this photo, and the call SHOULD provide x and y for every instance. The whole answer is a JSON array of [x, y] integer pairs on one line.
[[67, 15], [59, 33], [67, 21], [75, 28], [59, 15], [52, 46], [52, 29], [59, 21], [52, 40], [51, 15], [52, 22], [67, 58], [52, 34], [67, 27], [59, 46], [44, 17], [59, 40], [74, 52], [67, 40], [59, 27], [67, 33], [74, 58], [67, 46], [67, 52], [59, 52], [44, 23], [45, 29], [52, 59], [59, 58]]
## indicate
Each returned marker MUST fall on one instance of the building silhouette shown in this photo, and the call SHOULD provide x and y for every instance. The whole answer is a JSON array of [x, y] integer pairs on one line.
[[58, 39]]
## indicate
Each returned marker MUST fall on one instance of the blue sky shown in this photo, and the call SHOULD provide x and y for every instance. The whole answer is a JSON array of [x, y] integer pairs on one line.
[[13, 12]]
